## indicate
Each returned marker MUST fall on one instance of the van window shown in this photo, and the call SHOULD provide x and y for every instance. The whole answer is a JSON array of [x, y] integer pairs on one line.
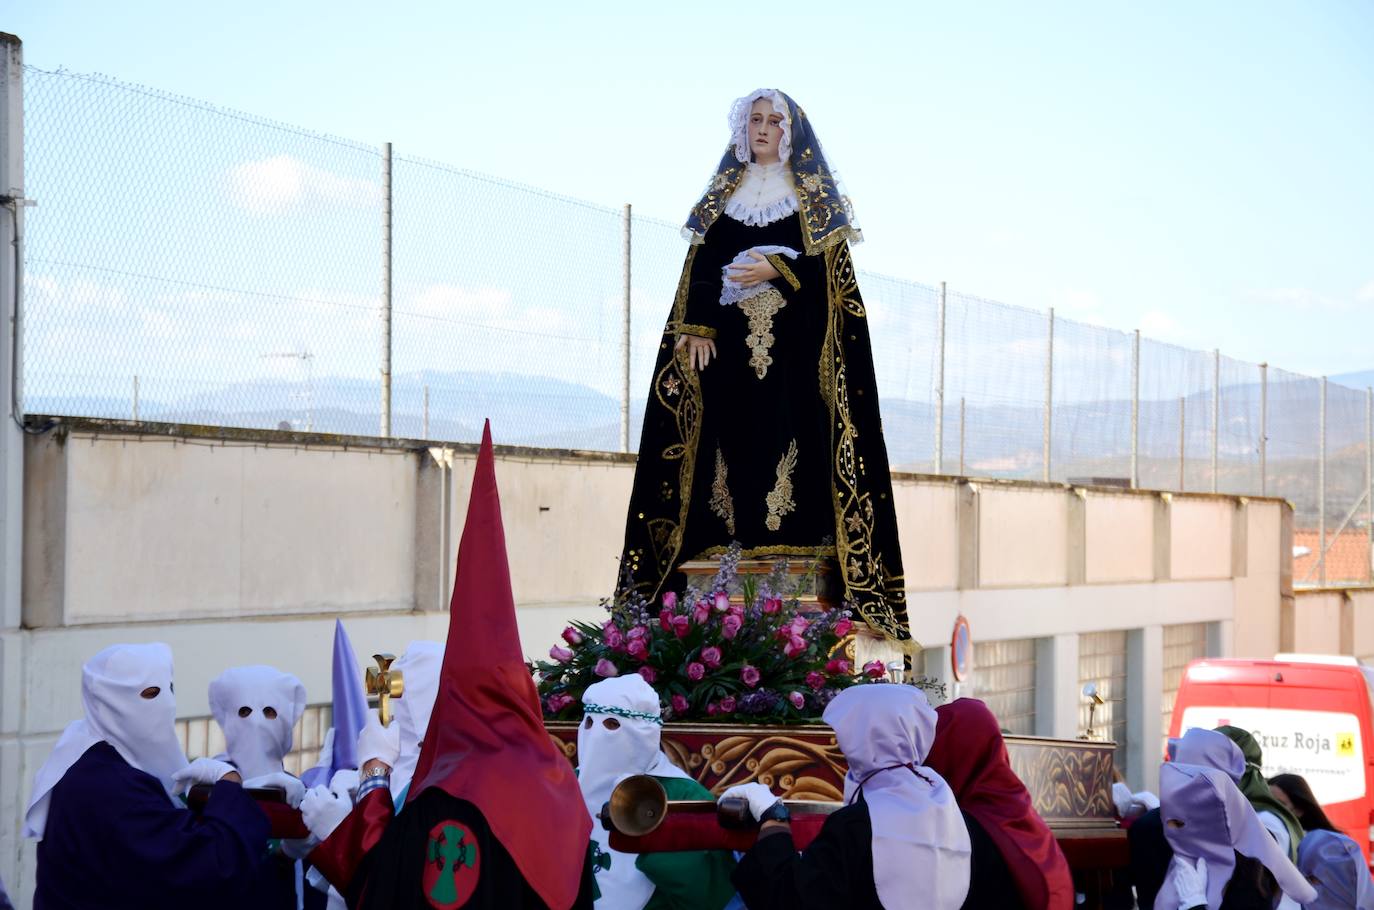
[[1322, 746]]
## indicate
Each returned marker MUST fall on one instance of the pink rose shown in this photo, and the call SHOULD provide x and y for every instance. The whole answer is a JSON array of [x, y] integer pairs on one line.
[[839, 667], [637, 632], [681, 626], [701, 612], [797, 699], [680, 704], [735, 609], [842, 627], [772, 604], [794, 647], [750, 675], [730, 626], [695, 671], [572, 636], [649, 673], [665, 619], [557, 703], [669, 600], [874, 669], [815, 680], [799, 625], [605, 668], [722, 601], [727, 705], [562, 655], [712, 709], [638, 649], [711, 657], [612, 636]]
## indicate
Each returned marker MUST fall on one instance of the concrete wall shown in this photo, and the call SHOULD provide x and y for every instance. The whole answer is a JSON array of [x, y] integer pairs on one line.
[[240, 547], [1330, 621]]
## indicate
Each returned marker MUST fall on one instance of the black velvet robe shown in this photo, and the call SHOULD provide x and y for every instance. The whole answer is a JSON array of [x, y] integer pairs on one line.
[[836, 870], [776, 445]]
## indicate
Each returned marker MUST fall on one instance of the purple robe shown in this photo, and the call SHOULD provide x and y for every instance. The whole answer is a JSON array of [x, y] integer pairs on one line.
[[113, 839]]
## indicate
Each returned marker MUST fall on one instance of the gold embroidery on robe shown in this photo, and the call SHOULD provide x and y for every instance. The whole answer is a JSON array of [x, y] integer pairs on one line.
[[780, 501], [761, 309], [722, 503]]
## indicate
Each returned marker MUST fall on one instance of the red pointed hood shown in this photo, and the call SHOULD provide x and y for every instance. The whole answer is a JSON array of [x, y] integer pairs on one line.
[[486, 741]]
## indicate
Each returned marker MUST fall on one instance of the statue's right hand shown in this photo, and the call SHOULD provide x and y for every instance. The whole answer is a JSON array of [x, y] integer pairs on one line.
[[699, 350]]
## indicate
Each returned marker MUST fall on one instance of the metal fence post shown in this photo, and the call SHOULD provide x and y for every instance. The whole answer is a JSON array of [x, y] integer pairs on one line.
[[625, 329], [1264, 429], [940, 390], [1135, 410], [1216, 411], [386, 290], [1182, 444], [1321, 493], [1049, 398], [961, 437]]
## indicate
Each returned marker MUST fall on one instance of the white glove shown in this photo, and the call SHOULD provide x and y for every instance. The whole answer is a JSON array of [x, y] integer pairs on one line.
[[322, 810], [1143, 802], [381, 743], [283, 781], [760, 798], [1121, 799], [201, 771], [1190, 882], [345, 783]]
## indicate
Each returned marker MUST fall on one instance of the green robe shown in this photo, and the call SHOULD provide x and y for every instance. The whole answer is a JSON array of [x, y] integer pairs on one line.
[[690, 879]]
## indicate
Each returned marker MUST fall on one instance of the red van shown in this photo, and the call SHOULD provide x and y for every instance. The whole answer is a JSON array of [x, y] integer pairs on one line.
[[1311, 714]]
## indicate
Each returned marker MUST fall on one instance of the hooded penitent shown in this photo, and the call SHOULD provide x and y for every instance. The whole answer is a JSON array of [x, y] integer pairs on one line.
[[1256, 788], [142, 730], [607, 753], [1334, 866], [1206, 817], [349, 712], [921, 848], [486, 742], [971, 756], [1209, 749], [257, 708], [419, 665]]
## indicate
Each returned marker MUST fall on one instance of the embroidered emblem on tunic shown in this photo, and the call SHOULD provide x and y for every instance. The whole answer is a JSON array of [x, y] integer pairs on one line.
[[780, 500], [451, 869], [671, 385], [722, 503], [761, 310]]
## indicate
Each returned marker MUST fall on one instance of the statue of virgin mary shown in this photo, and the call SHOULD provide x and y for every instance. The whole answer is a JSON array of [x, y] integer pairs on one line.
[[762, 425]]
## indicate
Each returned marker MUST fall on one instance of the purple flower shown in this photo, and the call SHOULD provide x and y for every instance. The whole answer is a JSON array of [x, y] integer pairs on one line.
[[797, 699], [711, 656], [727, 705], [649, 673], [680, 704], [637, 632], [730, 626], [562, 655], [701, 612], [750, 675], [759, 703], [572, 636], [695, 671], [669, 600], [605, 668], [681, 626], [722, 601], [638, 649]]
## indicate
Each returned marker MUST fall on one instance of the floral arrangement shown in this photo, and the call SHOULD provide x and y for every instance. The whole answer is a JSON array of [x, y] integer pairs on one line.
[[765, 660]]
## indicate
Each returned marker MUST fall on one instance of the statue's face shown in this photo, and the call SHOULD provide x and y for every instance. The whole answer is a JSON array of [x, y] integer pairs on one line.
[[765, 131]]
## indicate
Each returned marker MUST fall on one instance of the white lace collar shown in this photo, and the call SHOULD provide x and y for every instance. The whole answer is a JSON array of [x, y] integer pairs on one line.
[[764, 195]]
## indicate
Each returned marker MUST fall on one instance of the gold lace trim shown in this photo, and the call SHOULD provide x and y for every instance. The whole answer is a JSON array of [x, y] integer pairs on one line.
[[761, 309], [701, 331], [780, 501], [722, 503], [779, 262]]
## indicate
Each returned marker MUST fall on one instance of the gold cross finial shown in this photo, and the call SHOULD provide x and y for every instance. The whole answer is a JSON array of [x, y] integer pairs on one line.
[[384, 684]]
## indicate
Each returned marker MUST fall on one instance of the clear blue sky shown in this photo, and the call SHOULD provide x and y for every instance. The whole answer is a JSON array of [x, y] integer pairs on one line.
[[1201, 171]]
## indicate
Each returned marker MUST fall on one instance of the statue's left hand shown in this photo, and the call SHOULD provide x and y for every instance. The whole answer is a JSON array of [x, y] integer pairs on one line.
[[755, 272]]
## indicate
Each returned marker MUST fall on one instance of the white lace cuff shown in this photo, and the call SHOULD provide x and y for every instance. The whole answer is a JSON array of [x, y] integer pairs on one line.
[[732, 292]]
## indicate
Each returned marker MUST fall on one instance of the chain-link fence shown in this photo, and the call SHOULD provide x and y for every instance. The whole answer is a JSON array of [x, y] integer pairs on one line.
[[192, 264]]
